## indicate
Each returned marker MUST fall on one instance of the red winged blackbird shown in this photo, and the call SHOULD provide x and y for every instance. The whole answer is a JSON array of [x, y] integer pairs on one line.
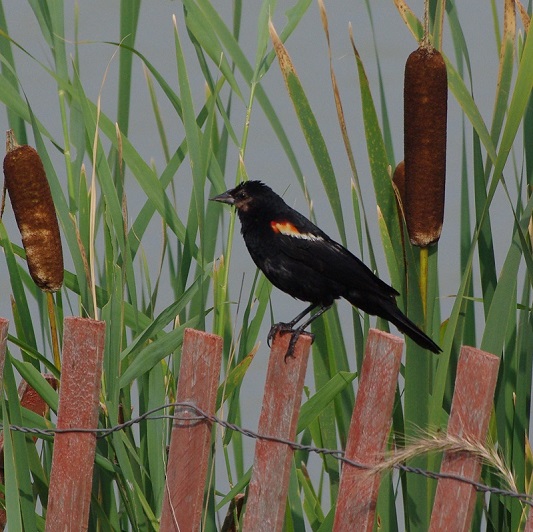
[[300, 259]]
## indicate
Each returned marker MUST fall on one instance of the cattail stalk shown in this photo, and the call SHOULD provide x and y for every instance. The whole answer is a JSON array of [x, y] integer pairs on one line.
[[425, 117], [33, 206], [425, 114], [34, 210]]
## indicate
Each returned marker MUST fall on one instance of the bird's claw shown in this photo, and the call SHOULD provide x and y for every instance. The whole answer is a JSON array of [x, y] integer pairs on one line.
[[285, 328], [281, 327], [296, 333]]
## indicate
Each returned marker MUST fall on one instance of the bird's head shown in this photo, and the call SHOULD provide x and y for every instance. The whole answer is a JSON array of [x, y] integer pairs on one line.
[[246, 196]]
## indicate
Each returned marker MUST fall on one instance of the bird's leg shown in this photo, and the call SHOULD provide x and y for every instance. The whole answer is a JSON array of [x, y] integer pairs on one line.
[[301, 330], [288, 327]]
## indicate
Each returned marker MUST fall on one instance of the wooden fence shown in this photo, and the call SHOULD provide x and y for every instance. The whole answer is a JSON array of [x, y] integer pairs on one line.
[[70, 483]]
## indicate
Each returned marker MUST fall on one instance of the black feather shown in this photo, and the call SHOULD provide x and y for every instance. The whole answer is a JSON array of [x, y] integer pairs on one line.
[[301, 260]]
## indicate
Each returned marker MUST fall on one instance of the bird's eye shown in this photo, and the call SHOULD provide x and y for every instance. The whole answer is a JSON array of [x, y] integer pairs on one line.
[[241, 195]]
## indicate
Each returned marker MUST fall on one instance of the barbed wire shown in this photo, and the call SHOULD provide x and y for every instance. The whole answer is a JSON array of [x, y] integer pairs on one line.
[[187, 413]]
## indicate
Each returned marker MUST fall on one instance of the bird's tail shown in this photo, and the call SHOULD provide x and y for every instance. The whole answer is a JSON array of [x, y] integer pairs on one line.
[[405, 325], [386, 308]]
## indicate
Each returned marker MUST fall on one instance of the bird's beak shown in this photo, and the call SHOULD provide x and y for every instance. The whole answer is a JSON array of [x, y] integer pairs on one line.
[[226, 197]]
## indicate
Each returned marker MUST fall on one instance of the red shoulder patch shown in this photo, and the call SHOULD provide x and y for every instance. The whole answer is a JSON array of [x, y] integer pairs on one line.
[[285, 228], [288, 229]]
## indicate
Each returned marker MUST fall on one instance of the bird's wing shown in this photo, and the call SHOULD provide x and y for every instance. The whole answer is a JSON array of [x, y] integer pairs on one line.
[[301, 240]]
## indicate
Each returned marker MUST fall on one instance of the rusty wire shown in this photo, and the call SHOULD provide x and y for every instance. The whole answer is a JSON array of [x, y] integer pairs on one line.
[[186, 413]]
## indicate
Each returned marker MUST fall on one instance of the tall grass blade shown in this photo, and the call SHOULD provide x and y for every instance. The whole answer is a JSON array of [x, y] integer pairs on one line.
[[311, 131]]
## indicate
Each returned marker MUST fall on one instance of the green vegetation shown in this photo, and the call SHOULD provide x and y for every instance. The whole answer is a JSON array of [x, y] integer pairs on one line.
[[91, 168]]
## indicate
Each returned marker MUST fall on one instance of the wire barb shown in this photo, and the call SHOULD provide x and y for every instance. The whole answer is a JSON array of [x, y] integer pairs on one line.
[[185, 412]]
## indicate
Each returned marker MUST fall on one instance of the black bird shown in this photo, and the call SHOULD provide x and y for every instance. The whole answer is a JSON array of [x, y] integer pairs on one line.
[[301, 260]]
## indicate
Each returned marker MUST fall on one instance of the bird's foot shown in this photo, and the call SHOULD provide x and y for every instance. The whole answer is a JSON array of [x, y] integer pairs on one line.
[[280, 327], [286, 328], [296, 333]]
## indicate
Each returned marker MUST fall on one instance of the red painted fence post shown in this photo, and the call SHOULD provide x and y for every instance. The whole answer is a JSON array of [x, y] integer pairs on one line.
[[190, 441], [267, 492], [369, 428], [477, 372], [73, 458]]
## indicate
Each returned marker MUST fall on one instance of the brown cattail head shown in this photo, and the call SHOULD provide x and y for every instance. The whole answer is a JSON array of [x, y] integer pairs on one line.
[[425, 112], [35, 213]]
